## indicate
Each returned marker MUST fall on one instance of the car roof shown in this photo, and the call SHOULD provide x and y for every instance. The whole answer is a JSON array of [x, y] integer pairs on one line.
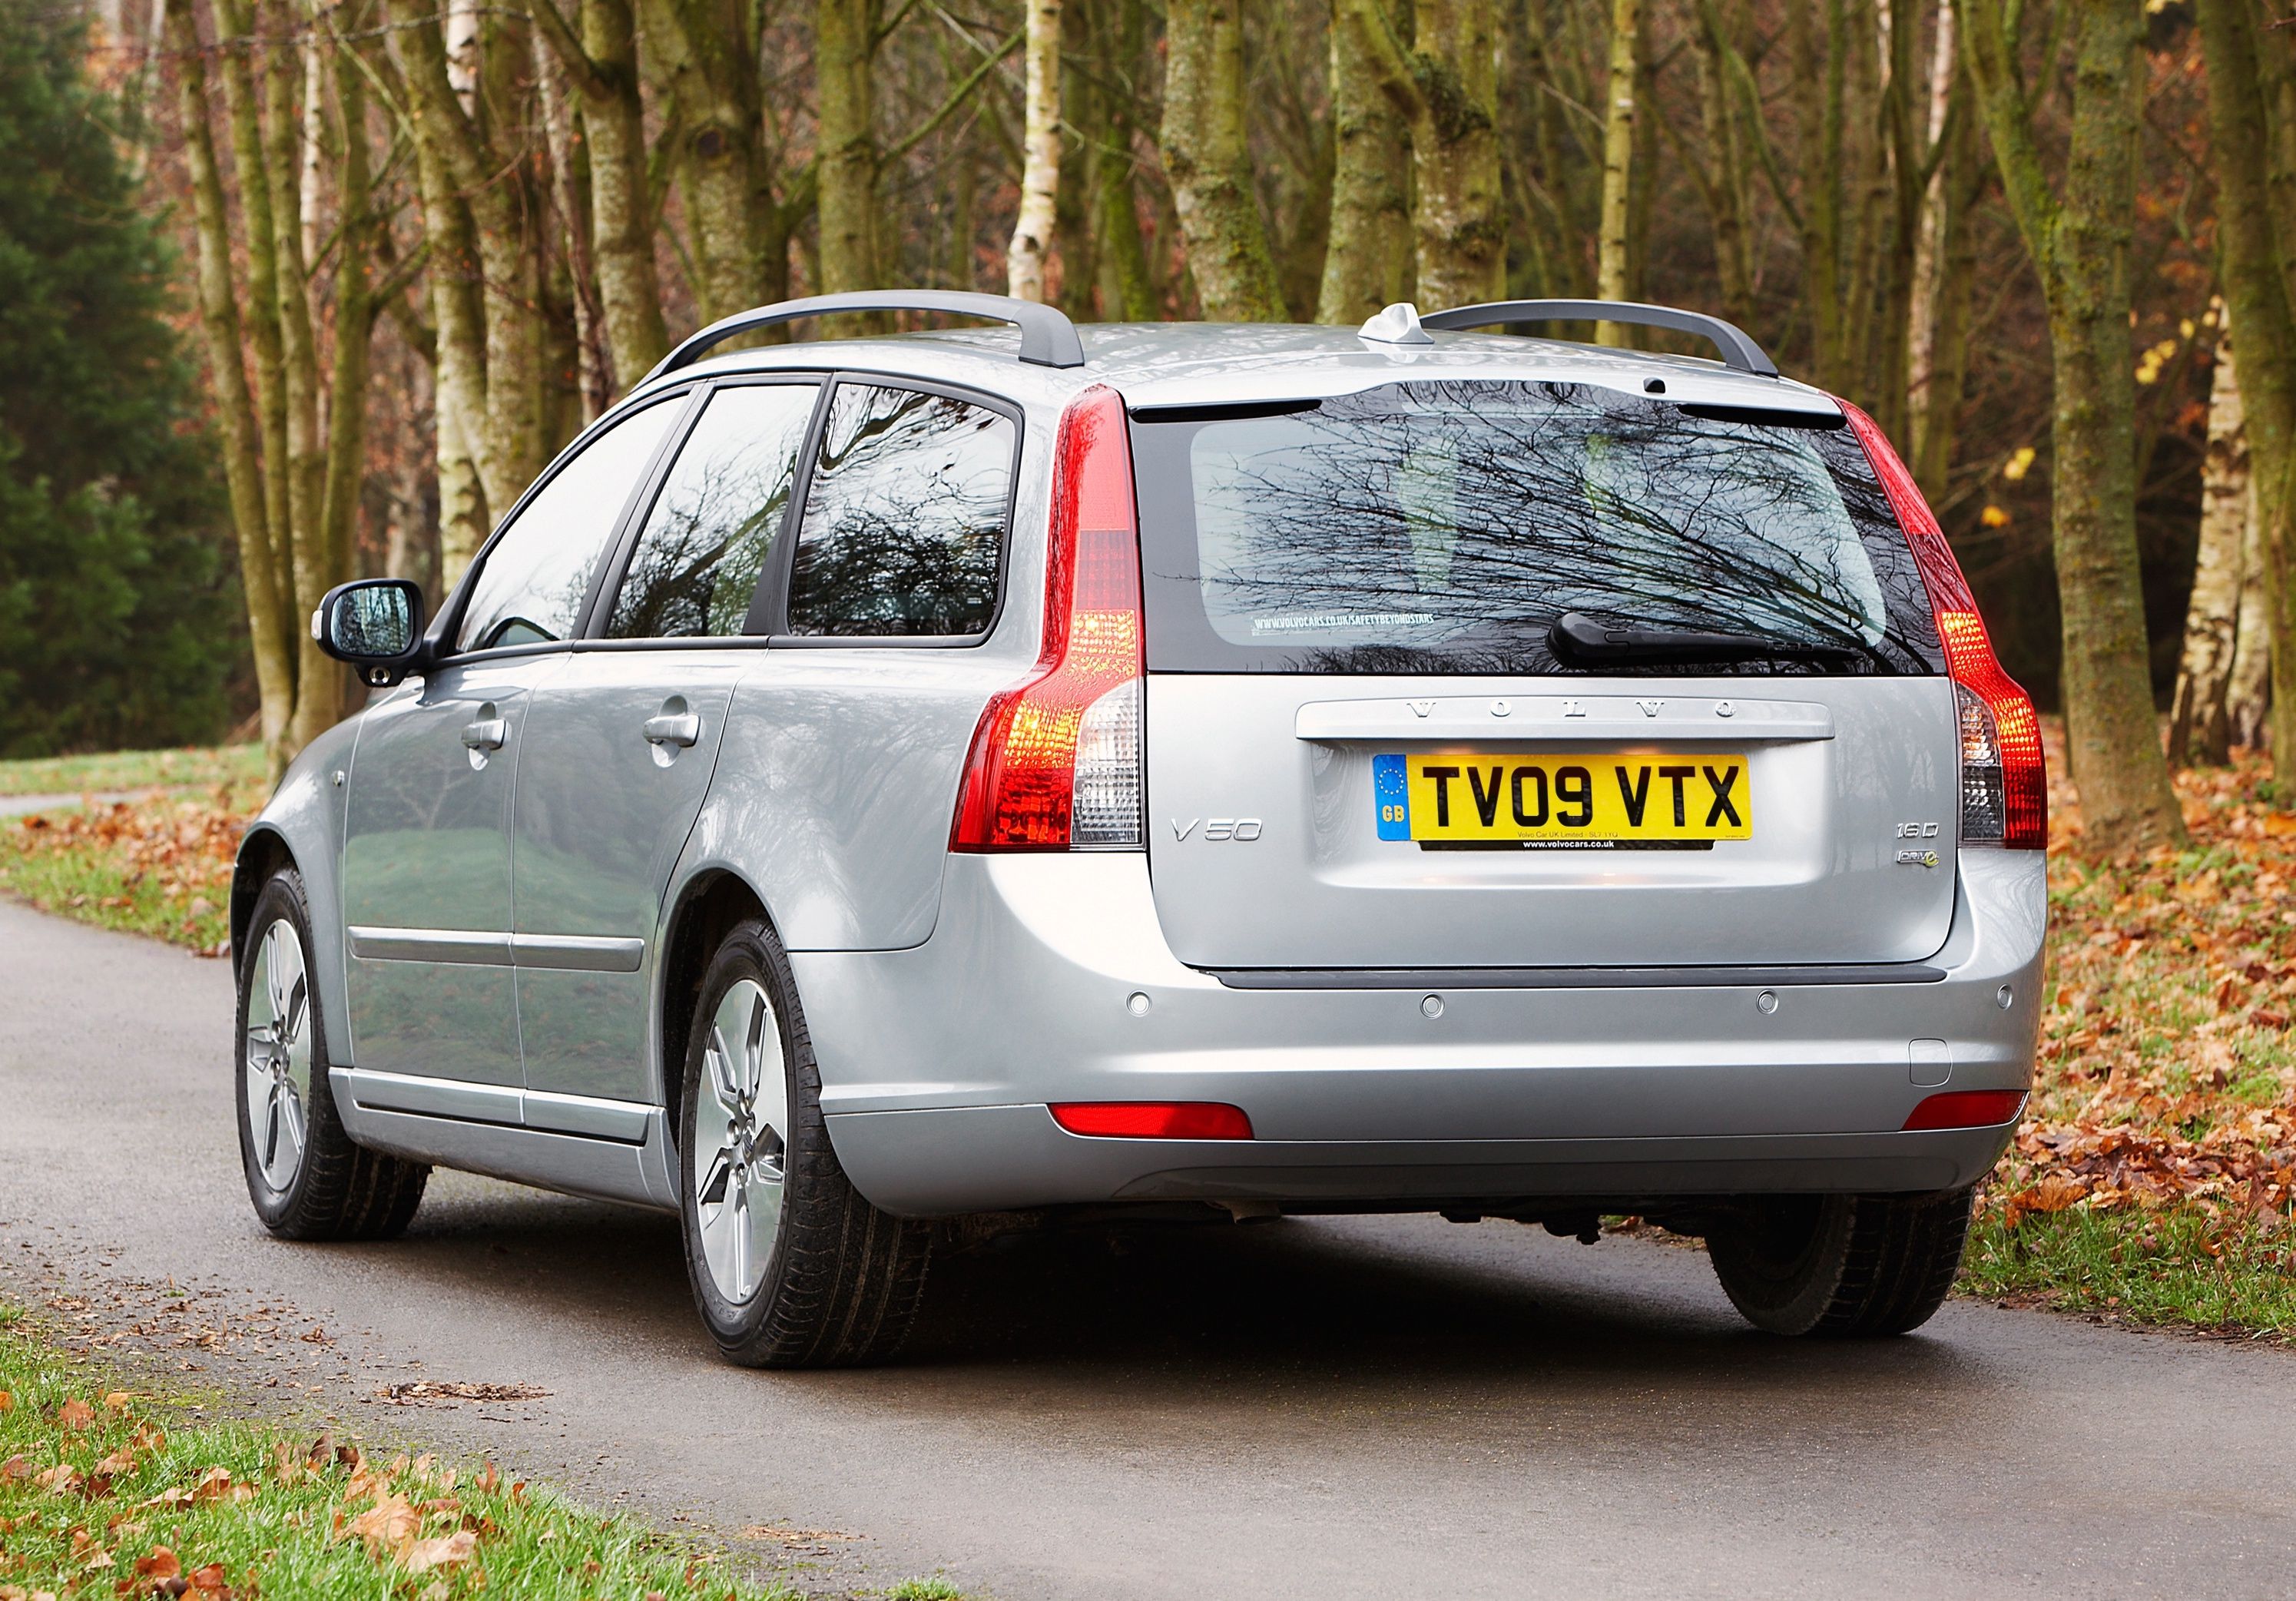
[[1160, 364]]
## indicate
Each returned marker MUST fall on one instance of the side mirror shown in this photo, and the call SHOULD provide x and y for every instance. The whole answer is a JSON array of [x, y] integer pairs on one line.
[[375, 625]]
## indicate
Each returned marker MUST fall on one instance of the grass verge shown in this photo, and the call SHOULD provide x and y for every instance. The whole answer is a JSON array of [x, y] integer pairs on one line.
[[2152, 1178], [159, 866], [200, 767], [105, 1492]]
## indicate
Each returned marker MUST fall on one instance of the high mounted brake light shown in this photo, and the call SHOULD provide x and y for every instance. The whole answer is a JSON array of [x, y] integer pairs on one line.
[[2005, 784], [1055, 763]]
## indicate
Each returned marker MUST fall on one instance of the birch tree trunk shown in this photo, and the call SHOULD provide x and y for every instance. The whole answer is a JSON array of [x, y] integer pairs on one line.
[[478, 216], [2247, 699], [2079, 238], [2249, 69], [1208, 159], [1367, 265], [1937, 353], [1618, 96], [2200, 718], [1040, 141]]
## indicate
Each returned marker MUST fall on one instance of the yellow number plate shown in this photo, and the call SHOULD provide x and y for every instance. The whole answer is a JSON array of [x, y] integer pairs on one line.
[[1573, 796]]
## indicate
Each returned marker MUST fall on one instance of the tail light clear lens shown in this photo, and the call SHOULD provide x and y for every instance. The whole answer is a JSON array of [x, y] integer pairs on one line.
[[2005, 782], [1056, 760]]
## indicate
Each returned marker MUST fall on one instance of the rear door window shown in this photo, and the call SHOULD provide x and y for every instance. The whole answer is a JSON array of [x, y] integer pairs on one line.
[[903, 532], [693, 573], [531, 585], [1445, 528]]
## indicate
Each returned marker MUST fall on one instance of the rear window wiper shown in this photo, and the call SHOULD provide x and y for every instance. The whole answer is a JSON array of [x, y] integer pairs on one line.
[[1579, 641]]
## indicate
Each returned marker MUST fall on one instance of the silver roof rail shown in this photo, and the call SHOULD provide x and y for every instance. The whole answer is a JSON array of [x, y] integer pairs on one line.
[[1047, 338], [1739, 352]]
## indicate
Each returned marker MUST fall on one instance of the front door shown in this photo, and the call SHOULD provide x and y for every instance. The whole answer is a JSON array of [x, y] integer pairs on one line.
[[426, 876], [426, 890]]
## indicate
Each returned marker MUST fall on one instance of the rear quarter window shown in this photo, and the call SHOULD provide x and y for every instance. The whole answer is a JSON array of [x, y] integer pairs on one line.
[[1444, 526]]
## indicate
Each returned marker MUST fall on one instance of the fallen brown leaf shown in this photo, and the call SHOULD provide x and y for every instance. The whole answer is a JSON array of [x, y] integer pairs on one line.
[[420, 1556]]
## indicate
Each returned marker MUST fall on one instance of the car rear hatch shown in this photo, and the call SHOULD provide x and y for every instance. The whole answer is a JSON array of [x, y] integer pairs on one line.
[[1448, 674]]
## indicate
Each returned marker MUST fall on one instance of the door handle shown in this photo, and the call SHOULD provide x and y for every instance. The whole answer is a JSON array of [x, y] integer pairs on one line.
[[487, 733], [680, 728]]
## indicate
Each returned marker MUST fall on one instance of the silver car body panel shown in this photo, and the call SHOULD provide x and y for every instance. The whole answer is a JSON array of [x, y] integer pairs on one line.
[[1831, 781], [952, 998], [1049, 951], [601, 812]]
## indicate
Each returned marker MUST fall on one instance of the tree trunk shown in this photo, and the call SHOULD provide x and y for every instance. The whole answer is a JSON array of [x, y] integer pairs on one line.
[[1127, 283], [569, 197], [1714, 36], [1368, 264], [1447, 87], [1455, 152], [478, 218], [1040, 140], [845, 47], [2248, 701], [621, 201], [2257, 250], [1209, 162], [235, 39], [2200, 718], [345, 470], [2079, 242], [706, 51], [1939, 362], [1930, 241], [269, 623], [1618, 98], [316, 705]]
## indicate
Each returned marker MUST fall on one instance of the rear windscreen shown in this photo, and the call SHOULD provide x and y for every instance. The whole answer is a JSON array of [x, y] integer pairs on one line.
[[1444, 528]]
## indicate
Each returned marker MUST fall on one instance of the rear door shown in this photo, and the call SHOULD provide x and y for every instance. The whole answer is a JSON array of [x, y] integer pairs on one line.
[[1492, 675], [620, 748]]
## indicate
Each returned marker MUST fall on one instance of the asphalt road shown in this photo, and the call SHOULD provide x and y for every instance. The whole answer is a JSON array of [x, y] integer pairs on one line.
[[1365, 1407]]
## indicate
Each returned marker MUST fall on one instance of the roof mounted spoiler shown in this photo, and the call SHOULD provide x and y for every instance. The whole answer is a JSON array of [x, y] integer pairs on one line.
[[1047, 338], [1739, 353]]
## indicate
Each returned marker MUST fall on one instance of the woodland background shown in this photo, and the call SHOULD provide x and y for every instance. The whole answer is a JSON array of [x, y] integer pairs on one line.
[[295, 291]]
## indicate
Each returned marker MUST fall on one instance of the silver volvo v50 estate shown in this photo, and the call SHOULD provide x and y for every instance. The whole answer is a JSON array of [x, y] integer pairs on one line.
[[1284, 770]]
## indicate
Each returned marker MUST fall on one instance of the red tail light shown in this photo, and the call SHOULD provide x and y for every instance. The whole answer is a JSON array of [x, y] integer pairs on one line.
[[2005, 784], [1055, 760], [1967, 1109], [1154, 1120]]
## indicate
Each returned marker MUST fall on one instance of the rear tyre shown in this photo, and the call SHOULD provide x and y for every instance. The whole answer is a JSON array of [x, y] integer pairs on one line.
[[307, 1178], [1845, 1266], [790, 1267]]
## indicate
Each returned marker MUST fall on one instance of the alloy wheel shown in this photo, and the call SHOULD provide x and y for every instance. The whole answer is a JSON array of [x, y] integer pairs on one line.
[[740, 1125], [276, 1073]]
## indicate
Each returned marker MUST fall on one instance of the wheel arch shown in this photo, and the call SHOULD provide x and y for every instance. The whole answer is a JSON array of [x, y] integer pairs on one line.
[[708, 908], [261, 854]]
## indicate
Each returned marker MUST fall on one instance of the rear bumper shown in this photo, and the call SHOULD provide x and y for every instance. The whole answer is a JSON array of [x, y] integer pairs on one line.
[[937, 1064]]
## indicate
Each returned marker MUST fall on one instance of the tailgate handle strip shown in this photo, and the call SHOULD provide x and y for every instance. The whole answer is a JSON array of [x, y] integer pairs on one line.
[[1551, 720]]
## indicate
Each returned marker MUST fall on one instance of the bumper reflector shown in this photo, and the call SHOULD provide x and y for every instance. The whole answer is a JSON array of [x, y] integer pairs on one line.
[[1967, 1109], [1154, 1120]]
